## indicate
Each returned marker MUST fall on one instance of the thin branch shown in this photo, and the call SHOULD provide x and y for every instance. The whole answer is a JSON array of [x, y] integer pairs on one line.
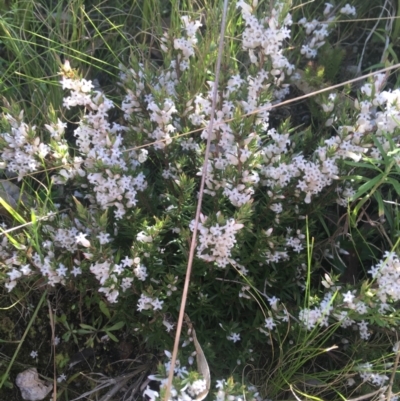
[[198, 210], [364, 396], [391, 381], [53, 347]]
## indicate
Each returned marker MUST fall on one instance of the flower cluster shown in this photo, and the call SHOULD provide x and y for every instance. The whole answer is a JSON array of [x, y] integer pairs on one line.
[[317, 316], [101, 144], [188, 387], [318, 31], [265, 38], [161, 111], [24, 152], [351, 308], [122, 235], [216, 242], [146, 302], [387, 276], [186, 44], [234, 162], [367, 374]]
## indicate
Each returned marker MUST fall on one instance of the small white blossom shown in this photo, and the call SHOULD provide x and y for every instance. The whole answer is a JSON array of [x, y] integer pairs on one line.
[[103, 238], [76, 270], [34, 354], [142, 237], [269, 323], [348, 10], [348, 297], [61, 378], [234, 337], [81, 239]]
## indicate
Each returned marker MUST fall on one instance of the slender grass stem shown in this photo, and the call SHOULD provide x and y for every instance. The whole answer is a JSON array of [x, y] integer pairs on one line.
[[28, 327]]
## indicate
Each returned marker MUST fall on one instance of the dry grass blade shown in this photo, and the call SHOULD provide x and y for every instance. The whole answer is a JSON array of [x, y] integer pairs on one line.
[[202, 364], [121, 382], [135, 388], [116, 382]]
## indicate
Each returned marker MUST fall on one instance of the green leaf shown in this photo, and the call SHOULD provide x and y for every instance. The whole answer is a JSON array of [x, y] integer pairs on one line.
[[381, 206], [5, 378], [82, 331], [103, 219], [395, 184], [365, 187], [61, 319], [82, 212], [13, 241], [112, 337], [87, 327], [104, 309], [15, 215], [361, 164], [116, 326]]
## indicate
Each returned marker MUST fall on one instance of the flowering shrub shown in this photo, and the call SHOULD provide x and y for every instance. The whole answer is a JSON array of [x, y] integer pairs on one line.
[[129, 185]]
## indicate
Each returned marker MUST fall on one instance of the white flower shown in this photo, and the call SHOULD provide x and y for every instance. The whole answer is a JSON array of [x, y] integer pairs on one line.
[[197, 387], [276, 207], [81, 239], [34, 354], [142, 237], [169, 326], [10, 285], [220, 384], [269, 231], [234, 337], [348, 10], [153, 395], [181, 371], [103, 238], [140, 272], [126, 283], [328, 8], [273, 301], [269, 323], [62, 270], [76, 270], [157, 304], [246, 8], [127, 262], [348, 297], [363, 327], [143, 155], [61, 378], [14, 274], [26, 270]]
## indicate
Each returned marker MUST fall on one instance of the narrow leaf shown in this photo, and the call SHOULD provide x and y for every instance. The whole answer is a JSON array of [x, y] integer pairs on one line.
[[395, 184], [116, 326], [87, 327], [365, 187], [16, 216], [112, 337], [381, 207], [104, 309]]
